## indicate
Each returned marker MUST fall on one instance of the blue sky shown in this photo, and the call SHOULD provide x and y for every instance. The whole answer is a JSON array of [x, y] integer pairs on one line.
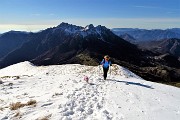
[[34, 15]]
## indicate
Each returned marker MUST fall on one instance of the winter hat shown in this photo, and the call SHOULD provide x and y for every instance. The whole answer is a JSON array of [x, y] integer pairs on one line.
[[106, 57]]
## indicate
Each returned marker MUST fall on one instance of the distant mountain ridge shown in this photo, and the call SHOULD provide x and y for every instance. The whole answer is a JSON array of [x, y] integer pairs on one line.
[[66, 41], [148, 35], [128, 38], [164, 46], [71, 44], [11, 40]]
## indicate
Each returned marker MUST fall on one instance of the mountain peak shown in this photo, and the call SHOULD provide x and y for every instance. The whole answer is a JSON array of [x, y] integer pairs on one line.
[[63, 24], [100, 27], [90, 26], [84, 31], [67, 25]]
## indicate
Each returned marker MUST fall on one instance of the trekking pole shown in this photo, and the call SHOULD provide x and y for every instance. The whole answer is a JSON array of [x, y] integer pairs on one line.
[[110, 70], [99, 69]]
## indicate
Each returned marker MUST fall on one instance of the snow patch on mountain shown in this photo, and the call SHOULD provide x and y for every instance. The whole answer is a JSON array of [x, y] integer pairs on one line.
[[70, 29]]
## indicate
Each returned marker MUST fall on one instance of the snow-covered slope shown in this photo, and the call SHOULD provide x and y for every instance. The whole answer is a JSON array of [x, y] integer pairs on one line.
[[61, 94]]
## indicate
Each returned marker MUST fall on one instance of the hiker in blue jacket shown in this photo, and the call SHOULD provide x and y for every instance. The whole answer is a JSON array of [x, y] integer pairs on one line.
[[106, 63]]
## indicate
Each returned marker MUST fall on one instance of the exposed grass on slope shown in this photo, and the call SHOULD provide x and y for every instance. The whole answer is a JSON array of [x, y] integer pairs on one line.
[[17, 105]]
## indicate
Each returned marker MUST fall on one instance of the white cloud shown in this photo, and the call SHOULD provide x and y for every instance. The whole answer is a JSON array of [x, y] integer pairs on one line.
[[147, 23], [139, 6], [32, 28]]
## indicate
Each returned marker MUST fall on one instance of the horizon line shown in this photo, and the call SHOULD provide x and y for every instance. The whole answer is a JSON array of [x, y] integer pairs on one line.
[[40, 27]]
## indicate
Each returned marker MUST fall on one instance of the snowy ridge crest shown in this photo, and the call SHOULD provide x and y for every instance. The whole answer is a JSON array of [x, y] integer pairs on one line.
[[18, 69], [27, 68], [61, 93]]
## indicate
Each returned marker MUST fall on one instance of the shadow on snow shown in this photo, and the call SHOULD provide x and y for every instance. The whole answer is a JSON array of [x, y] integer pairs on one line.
[[133, 83]]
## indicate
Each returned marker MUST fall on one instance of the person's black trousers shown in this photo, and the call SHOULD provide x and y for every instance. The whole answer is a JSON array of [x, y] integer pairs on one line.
[[105, 70]]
